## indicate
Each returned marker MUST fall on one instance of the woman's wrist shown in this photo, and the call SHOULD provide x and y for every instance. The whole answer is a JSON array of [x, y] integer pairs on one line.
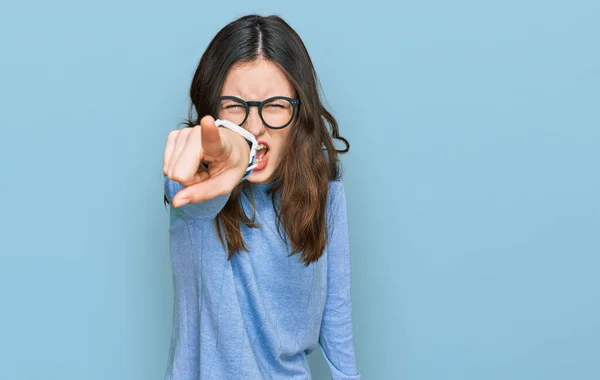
[[240, 151], [250, 140], [238, 145]]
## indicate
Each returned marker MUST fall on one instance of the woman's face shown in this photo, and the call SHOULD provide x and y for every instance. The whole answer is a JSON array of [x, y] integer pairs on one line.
[[257, 81]]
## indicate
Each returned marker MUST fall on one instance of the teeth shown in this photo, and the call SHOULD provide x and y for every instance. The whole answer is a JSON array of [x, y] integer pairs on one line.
[[260, 147]]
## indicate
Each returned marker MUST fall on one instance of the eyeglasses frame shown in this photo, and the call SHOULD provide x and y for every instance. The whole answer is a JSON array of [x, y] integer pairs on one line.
[[247, 104]]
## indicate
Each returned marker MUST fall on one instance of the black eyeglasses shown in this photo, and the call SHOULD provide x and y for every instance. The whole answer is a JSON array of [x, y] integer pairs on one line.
[[276, 112]]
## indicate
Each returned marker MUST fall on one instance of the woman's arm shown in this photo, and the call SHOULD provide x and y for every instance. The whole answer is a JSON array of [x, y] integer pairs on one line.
[[336, 337]]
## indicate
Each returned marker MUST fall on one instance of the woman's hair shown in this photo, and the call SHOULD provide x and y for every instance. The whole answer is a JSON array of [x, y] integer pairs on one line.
[[310, 160]]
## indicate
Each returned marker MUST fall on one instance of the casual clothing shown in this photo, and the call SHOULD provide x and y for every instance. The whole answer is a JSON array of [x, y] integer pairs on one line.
[[260, 314]]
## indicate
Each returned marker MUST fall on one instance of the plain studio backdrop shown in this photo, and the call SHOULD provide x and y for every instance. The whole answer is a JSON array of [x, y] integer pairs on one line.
[[473, 182]]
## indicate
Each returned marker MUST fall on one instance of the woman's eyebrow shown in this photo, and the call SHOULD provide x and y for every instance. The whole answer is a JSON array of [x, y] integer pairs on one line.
[[239, 94]]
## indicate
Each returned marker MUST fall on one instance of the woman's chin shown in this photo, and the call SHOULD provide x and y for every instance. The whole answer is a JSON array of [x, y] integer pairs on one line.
[[263, 176]]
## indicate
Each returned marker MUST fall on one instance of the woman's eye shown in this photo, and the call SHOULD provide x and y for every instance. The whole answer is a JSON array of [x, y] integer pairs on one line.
[[276, 105]]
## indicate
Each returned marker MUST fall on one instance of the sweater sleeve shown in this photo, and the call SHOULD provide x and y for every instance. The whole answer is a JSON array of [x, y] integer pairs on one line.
[[336, 337], [204, 210]]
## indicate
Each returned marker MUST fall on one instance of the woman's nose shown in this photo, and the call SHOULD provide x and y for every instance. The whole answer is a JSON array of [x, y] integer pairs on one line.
[[253, 123]]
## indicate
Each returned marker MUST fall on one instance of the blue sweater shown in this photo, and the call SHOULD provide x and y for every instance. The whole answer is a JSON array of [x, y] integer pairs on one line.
[[260, 314]]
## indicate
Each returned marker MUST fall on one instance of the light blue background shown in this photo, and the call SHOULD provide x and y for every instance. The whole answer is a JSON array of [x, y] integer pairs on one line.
[[473, 182]]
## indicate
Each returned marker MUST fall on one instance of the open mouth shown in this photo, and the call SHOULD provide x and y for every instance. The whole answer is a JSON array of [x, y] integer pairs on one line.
[[262, 152]]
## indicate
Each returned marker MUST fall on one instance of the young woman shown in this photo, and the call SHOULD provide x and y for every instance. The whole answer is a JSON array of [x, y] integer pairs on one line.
[[259, 246]]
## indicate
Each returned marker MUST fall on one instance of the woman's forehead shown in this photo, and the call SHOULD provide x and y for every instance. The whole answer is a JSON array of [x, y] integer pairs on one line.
[[256, 80]]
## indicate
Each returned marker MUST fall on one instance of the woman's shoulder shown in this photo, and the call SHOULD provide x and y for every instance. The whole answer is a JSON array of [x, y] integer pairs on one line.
[[336, 191], [335, 186]]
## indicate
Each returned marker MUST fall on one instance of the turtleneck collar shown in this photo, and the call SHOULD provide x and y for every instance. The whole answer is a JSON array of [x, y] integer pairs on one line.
[[263, 187]]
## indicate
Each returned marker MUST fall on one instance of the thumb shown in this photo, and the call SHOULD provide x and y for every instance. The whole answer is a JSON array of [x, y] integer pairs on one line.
[[211, 137], [208, 189]]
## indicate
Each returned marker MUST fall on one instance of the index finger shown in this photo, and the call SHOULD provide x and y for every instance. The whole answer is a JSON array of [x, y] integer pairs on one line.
[[211, 137]]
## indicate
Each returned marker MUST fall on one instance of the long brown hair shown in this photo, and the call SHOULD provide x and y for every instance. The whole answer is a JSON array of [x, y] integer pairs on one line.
[[311, 158]]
